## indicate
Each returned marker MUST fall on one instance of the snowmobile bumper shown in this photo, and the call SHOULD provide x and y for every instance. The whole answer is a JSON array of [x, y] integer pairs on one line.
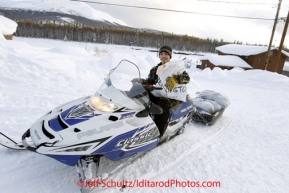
[[24, 142]]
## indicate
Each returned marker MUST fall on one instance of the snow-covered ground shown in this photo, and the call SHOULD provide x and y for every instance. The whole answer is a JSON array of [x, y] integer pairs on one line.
[[245, 151]]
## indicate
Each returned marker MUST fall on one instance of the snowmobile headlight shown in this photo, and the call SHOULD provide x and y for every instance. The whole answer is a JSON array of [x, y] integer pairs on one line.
[[101, 105]]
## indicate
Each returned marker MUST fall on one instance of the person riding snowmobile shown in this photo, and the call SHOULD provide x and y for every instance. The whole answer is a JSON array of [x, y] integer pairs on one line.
[[167, 104]]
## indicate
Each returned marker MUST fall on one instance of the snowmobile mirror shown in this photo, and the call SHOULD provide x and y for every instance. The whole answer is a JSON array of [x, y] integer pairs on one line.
[[143, 113], [108, 82], [156, 109]]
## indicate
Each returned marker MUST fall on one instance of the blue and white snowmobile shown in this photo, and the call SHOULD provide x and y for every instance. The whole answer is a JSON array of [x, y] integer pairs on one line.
[[114, 123]]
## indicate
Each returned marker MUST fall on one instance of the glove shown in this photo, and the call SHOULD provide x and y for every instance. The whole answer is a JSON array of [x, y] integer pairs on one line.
[[150, 87], [171, 82]]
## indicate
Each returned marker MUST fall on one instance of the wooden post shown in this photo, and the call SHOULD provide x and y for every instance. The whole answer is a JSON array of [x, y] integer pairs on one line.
[[272, 35], [281, 42]]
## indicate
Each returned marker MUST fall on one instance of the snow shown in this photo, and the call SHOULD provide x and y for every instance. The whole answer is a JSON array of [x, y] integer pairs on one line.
[[242, 50], [286, 53], [286, 66], [221, 60], [246, 150], [7, 26], [62, 6], [245, 50]]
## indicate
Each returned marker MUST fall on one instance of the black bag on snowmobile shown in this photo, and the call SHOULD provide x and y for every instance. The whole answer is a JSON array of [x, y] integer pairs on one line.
[[210, 106]]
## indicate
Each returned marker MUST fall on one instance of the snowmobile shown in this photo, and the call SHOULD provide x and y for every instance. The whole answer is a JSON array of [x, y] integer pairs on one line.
[[114, 123]]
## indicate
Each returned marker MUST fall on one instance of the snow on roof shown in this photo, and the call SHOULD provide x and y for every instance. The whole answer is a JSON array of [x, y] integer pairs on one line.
[[220, 60], [286, 53], [7, 26], [243, 50]]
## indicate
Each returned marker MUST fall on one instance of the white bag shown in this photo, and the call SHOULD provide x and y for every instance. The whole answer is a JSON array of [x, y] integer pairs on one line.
[[169, 69], [207, 105], [204, 105], [217, 97]]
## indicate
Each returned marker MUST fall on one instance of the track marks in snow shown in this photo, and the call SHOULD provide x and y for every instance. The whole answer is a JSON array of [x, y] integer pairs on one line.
[[35, 170], [198, 138]]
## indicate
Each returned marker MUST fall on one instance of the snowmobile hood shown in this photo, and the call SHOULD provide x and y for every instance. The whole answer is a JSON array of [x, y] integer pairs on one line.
[[97, 117]]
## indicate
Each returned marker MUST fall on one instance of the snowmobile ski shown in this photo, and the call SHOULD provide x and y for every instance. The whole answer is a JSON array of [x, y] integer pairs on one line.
[[83, 167], [10, 143]]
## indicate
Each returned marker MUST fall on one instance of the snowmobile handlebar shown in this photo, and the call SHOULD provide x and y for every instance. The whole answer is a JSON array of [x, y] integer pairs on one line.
[[151, 87]]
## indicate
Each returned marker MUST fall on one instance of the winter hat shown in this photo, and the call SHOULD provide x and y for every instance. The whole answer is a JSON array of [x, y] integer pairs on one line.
[[166, 49]]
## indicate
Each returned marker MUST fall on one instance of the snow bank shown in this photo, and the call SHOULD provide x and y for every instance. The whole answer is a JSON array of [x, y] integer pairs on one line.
[[2, 36], [7, 26], [71, 51], [260, 75], [153, 61], [239, 73]]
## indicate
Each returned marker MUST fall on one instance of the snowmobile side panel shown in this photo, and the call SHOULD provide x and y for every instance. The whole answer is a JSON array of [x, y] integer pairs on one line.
[[140, 139], [70, 160], [120, 154], [182, 110]]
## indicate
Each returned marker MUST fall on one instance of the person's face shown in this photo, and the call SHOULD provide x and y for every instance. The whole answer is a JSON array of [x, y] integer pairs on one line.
[[164, 57]]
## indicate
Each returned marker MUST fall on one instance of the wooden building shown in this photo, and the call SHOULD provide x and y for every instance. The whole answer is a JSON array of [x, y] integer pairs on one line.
[[8, 37], [255, 56]]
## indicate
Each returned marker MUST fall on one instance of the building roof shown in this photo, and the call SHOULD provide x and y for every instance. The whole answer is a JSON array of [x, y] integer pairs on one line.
[[7, 26], [221, 60], [286, 53], [245, 50]]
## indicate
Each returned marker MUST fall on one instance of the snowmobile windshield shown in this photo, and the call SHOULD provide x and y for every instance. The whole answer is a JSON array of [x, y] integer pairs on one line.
[[119, 90]]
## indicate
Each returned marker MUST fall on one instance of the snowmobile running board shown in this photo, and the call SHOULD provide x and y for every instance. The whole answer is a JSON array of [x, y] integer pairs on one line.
[[10, 143]]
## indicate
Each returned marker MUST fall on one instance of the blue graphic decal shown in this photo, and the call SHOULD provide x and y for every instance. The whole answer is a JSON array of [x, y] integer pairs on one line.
[[78, 114], [111, 146], [146, 126], [56, 125]]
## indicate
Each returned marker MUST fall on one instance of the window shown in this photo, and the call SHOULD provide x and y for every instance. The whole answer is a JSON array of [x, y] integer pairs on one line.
[[259, 61]]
